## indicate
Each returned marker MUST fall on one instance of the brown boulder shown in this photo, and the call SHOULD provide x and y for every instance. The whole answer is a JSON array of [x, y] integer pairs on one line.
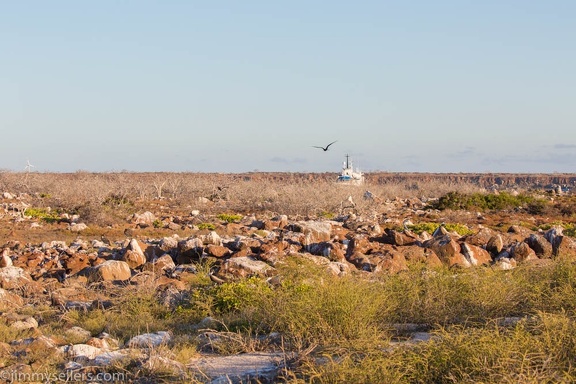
[[447, 250], [160, 266], [5, 260], [75, 263], [133, 258], [540, 245], [110, 270], [495, 245], [392, 263], [217, 250], [400, 238], [522, 252], [189, 249], [361, 245]]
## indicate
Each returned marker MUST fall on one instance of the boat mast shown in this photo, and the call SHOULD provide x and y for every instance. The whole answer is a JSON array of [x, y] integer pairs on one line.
[[347, 163]]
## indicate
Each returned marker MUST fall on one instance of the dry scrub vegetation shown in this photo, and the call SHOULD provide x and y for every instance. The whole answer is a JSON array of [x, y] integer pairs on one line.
[[486, 325], [106, 198]]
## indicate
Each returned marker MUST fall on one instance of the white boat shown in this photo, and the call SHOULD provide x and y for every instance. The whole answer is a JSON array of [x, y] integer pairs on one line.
[[349, 175]]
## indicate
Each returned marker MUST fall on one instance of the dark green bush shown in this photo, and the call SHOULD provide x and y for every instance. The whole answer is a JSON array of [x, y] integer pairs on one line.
[[482, 201]]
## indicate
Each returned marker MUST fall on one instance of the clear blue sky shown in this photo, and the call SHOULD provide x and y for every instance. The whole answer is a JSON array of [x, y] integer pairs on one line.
[[235, 86]]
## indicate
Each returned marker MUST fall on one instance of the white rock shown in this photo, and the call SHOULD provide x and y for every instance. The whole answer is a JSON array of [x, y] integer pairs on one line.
[[28, 323], [78, 227], [150, 340], [80, 350], [5, 260]]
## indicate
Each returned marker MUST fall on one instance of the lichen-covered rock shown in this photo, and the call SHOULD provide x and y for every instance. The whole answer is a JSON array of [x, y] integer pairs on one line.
[[189, 249], [78, 227]]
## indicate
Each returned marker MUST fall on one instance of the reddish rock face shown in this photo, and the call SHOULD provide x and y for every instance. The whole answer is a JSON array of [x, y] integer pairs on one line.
[[475, 255], [392, 263], [448, 251], [399, 238], [416, 254], [76, 263], [482, 238], [217, 250]]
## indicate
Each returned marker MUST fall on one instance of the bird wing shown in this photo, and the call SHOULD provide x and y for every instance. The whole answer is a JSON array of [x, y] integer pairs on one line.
[[330, 144]]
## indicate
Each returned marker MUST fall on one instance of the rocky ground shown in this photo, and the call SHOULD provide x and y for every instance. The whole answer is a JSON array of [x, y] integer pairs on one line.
[[57, 264]]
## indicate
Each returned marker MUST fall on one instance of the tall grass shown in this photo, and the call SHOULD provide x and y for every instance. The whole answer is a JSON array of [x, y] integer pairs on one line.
[[348, 323], [541, 350]]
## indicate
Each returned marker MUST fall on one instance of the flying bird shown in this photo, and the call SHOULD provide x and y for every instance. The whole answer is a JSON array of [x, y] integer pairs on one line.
[[326, 147]]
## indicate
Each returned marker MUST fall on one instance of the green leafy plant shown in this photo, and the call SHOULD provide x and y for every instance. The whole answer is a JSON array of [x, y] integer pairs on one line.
[[208, 226], [229, 218], [327, 215], [44, 214], [431, 227], [483, 201]]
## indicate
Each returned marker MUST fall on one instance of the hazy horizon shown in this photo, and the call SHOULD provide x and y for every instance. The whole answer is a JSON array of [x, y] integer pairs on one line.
[[235, 87]]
